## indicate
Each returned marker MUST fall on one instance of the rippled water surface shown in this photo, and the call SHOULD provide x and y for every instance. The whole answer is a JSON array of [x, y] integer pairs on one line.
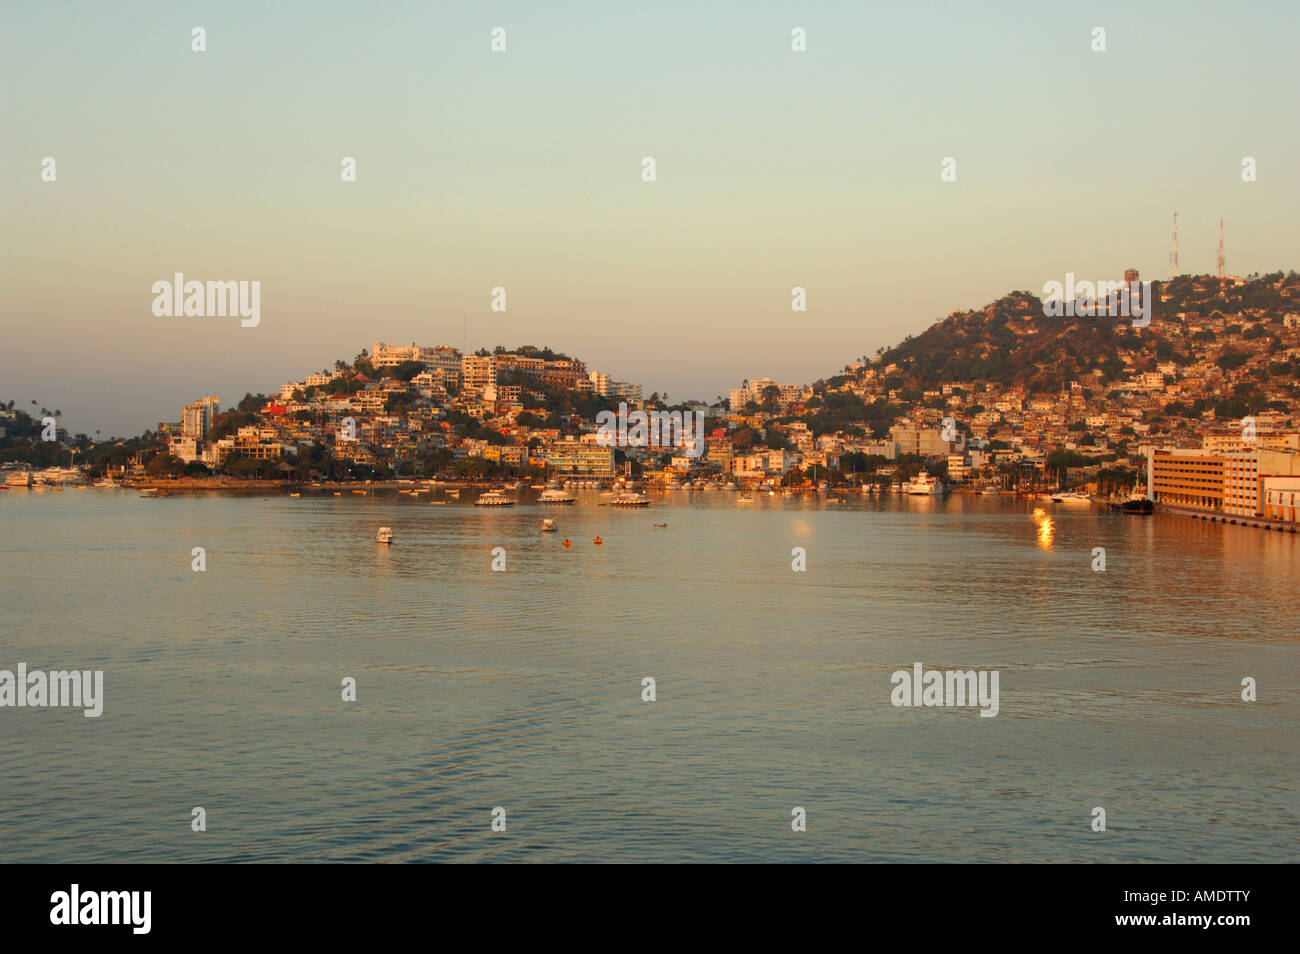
[[522, 689]]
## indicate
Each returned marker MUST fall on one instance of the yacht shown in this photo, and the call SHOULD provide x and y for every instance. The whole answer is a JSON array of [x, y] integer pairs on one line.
[[556, 497], [1070, 497], [923, 485], [548, 526], [19, 478], [385, 535], [630, 498], [990, 490], [494, 498]]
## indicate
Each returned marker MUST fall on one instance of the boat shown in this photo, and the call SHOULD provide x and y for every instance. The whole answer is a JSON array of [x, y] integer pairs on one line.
[[19, 478], [548, 526], [923, 485], [1135, 503], [660, 526], [494, 498], [385, 535], [598, 541], [744, 499], [896, 487], [1070, 497], [630, 498], [568, 542], [295, 495], [556, 497], [453, 493], [989, 490]]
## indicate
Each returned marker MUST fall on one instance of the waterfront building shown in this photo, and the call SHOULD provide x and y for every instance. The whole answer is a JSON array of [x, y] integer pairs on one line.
[[1281, 498], [1243, 475], [1184, 477], [580, 457]]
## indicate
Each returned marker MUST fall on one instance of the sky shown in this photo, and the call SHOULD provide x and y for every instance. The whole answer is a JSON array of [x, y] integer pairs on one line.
[[522, 170]]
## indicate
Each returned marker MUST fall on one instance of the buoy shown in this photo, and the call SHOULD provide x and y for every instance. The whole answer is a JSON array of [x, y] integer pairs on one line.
[[568, 543], [598, 541]]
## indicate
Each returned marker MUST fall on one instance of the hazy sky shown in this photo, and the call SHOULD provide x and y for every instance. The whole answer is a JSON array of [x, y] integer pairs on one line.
[[522, 169]]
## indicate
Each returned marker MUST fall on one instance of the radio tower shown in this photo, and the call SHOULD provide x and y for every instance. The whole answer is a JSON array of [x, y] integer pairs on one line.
[[1173, 250], [1223, 272]]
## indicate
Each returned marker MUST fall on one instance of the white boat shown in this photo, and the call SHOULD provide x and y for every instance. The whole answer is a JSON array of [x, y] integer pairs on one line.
[[385, 535], [19, 478], [989, 490], [630, 498], [1071, 497], [556, 497], [108, 483], [744, 499], [494, 498], [923, 485], [548, 526]]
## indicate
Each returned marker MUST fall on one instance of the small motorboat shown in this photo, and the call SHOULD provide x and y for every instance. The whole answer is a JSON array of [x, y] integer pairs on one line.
[[548, 526], [743, 499], [568, 542], [385, 535], [598, 541], [660, 526]]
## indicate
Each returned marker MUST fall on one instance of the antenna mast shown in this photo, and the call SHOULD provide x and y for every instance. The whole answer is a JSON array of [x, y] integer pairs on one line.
[[1223, 272], [1173, 249]]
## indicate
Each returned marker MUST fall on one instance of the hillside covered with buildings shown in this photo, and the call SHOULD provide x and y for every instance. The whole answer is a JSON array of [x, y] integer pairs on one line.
[[1005, 395]]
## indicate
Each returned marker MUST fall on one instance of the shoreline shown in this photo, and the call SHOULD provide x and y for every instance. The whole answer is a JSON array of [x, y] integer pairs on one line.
[[1214, 516]]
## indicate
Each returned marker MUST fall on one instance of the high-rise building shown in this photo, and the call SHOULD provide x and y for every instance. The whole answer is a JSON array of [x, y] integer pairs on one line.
[[478, 371], [196, 418]]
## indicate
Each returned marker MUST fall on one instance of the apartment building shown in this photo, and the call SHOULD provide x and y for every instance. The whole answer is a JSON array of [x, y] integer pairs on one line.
[[196, 418], [478, 371], [580, 457], [924, 441]]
